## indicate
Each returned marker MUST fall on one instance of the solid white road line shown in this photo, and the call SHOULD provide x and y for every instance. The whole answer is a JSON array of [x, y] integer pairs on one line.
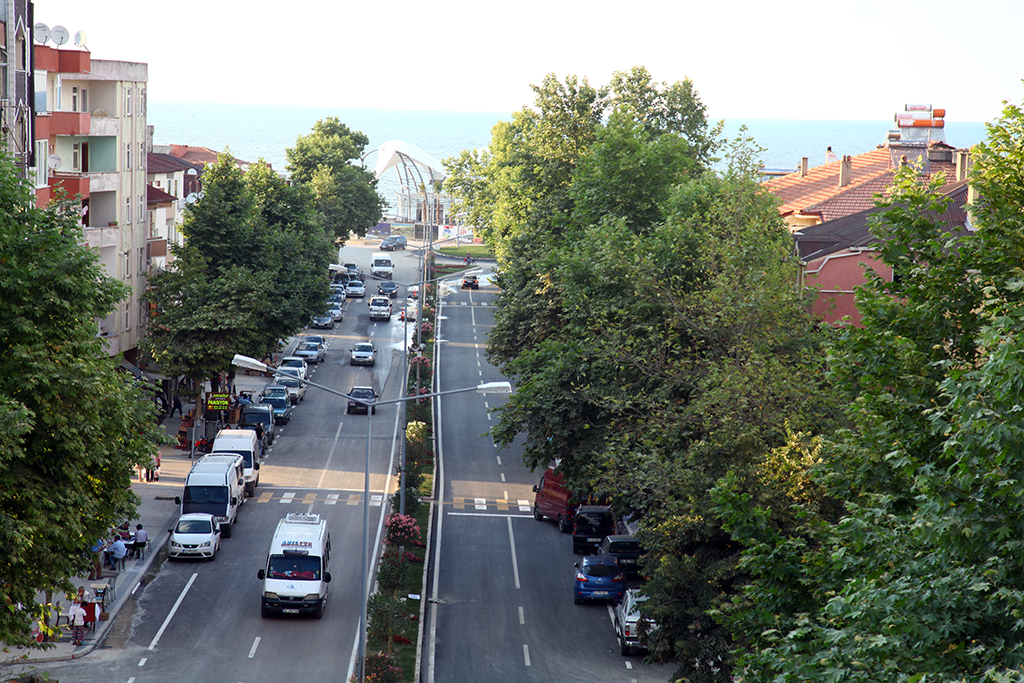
[[512, 543], [167, 621]]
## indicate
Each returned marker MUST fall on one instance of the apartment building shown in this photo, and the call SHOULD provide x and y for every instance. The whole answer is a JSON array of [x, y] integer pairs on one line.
[[90, 126], [16, 82]]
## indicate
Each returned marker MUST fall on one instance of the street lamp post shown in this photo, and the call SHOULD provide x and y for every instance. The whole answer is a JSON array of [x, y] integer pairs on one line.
[[486, 388]]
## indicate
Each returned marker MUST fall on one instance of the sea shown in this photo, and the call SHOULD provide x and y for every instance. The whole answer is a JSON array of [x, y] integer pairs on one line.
[[253, 132]]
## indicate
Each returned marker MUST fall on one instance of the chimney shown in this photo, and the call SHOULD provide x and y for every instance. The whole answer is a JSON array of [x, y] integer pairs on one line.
[[963, 164], [803, 167], [845, 170]]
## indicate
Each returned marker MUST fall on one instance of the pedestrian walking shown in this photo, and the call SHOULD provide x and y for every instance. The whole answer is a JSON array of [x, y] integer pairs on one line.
[[176, 405], [76, 617]]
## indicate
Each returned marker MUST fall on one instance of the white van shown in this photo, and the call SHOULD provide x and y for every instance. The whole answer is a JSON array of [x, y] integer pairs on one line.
[[245, 443], [215, 485], [296, 576], [381, 266]]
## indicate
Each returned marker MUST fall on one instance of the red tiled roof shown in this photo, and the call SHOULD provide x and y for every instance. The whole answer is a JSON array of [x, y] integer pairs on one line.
[[797, 193], [154, 195], [166, 163]]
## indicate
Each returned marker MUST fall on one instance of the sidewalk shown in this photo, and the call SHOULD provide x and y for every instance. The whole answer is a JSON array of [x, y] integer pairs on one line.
[[157, 513]]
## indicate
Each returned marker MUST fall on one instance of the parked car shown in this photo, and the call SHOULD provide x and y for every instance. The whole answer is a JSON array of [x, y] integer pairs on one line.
[[355, 289], [388, 289], [299, 364], [589, 527], [282, 408], [316, 338], [598, 578], [631, 627], [554, 500], [195, 534], [264, 414], [625, 549], [365, 393], [311, 352], [363, 353], [336, 298], [337, 312], [392, 242], [470, 282], [324, 321], [274, 390], [354, 273], [296, 389]]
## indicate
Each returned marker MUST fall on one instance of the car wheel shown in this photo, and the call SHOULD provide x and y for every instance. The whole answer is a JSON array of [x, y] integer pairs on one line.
[[537, 514], [373, 410], [213, 556], [225, 530], [318, 613], [624, 648], [563, 525], [576, 600], [372, 363], [264, 612]]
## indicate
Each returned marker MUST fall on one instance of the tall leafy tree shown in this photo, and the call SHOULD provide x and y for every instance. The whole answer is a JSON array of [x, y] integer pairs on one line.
[[921, 576], [72, 428], [346, 194]]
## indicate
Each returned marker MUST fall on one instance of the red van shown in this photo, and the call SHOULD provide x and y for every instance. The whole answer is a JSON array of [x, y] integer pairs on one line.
[[554, 501]]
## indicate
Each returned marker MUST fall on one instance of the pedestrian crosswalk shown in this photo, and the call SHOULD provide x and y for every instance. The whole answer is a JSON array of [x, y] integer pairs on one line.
[[500, 504], [311, 497]]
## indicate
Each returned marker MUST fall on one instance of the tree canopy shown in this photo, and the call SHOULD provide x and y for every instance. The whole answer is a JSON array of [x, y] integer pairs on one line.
[[346, 195], [72, 427], [920, 575], [253, 270]]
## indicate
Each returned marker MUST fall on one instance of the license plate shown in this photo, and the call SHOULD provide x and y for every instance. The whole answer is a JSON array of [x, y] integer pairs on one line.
[[189, 552], [289, 611], [593, 540], [600, 593], [627, 561]]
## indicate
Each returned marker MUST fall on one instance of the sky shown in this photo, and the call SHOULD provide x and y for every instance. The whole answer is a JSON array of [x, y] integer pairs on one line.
[[788, 59]]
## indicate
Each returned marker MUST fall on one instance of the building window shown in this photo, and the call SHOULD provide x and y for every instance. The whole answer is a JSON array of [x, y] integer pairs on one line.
[[76, 156], [128, 157], [142, 156], [85, 100], [142, 208], [127, 101], [74, 98], [42, 171], [142, 101], [127, 210]]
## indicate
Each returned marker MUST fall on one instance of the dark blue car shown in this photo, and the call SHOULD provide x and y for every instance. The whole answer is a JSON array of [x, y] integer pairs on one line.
[[599, 577], [282, 408]]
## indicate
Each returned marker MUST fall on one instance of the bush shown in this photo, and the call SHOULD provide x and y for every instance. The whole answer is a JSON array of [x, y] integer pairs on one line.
[[401, 529]]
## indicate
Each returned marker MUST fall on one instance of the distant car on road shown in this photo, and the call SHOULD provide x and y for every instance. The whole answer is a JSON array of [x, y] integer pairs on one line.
[[324, 321], [317, 338], [296, 363], [282, 408], [598, 577], [311, 352], [470, 282], [365, 393], [195, 534], [388, 289], [392, 242], [363, 353], [355, 289]]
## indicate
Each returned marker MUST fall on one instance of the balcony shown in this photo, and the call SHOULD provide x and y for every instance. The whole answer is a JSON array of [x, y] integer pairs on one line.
[[73, 183], [104, 182], [104, 126]]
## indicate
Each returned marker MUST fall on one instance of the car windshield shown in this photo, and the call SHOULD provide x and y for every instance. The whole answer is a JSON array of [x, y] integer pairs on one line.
[[289, 382], [624, 547], [276, 401], [261, 416], [294, 372], [310, 347], [364, 348], [292, 363], [193, 526], [593, 522], [294, 567], [362, 393], [206, 494], [600, 570]]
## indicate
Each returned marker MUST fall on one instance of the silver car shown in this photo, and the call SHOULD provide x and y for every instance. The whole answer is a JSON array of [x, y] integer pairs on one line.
[[311, 352], [363, 353]]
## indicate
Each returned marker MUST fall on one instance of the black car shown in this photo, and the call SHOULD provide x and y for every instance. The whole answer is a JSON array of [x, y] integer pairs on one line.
[[388, 289], [394, 242], [625, 549], [263, 414], [589, 527], [365, 393]]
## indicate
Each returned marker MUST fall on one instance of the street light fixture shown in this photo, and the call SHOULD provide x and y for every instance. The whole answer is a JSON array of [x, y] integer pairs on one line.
[[485, 388]]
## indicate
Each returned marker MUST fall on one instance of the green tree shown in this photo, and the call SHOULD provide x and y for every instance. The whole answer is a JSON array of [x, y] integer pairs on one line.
[[921, 576], [346, 195], [72, 428], [253, 269]]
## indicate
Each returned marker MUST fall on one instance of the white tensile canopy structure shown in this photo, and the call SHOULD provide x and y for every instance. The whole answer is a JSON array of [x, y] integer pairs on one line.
[[418, 174]]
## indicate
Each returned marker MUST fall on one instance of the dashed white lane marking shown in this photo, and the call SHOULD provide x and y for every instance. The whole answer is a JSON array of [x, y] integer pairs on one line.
[[255, 644]]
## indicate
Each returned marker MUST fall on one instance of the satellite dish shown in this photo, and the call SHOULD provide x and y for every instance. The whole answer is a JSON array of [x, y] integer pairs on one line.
[[80, 39], [192, 198], [59, 35], [53, 162], [41, 33]]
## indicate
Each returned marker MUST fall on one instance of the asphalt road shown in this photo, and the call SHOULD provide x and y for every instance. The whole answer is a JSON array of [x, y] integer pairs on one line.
[[501, 596], [200, 621]]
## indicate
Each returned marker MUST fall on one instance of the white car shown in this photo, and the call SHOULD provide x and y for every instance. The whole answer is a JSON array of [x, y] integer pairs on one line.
[[296, 389], [355, 289], [363, 353], [196, 534], [631, 627], [296, 363], [311, 352], [336, 313]]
